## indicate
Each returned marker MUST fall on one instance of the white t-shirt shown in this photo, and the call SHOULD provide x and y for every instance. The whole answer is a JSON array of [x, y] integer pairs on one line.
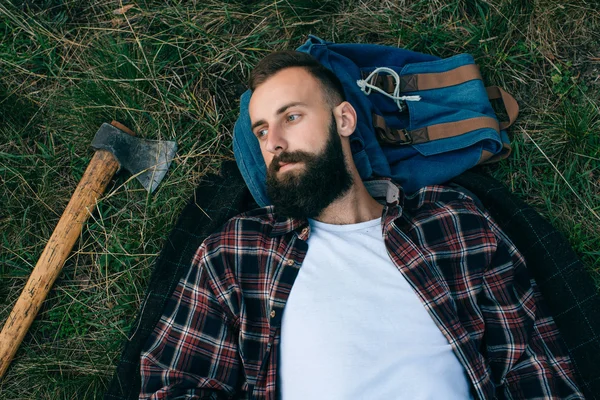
[[353, 328]]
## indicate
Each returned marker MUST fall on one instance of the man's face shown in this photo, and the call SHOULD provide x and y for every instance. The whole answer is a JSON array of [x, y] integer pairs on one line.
[[299, 141], [289, 113]]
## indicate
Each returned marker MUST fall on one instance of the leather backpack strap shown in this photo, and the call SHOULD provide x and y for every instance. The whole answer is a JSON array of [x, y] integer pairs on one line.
[[432, 80], [510, 104], [456, 76], [487, 157], [432, 132], [389, 135]]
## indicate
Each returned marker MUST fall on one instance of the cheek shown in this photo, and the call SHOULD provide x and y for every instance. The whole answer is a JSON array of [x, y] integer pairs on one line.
[[316, 142], [308, 137]]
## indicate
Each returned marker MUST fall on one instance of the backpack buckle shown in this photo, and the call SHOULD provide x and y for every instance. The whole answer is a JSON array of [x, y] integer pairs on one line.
[[408, 137], [389, 135], [399, 137], [402, 137]]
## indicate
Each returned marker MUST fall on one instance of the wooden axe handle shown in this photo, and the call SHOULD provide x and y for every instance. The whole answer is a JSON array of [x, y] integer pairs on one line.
[[98, 174]]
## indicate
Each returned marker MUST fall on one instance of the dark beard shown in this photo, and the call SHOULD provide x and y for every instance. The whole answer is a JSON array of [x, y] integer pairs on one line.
[[306, 194]]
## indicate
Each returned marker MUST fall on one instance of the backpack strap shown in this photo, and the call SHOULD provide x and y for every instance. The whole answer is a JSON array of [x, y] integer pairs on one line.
[[432, 132], [488, 157], [415, 82], [400, 137], [510, 104]]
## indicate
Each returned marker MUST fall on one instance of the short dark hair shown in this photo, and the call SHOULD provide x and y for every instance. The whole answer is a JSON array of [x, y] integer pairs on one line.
[[280, 60]]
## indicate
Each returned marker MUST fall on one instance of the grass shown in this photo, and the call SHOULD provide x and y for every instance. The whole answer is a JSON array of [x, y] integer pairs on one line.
[[174, 70]]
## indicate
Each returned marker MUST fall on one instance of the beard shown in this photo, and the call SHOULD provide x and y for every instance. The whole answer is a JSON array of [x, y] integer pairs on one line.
[[307, 193]]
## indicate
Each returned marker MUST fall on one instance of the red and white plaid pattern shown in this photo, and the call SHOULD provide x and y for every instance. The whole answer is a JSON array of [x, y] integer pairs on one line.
[[219, 334]]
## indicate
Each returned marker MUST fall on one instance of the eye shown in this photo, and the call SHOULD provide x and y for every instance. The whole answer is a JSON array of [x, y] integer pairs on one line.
[[293, 117], [261, 133]]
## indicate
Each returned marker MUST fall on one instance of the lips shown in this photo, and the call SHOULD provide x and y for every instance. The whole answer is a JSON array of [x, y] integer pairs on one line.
[[284, 165]]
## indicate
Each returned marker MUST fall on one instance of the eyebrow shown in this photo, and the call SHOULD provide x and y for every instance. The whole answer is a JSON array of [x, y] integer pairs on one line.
[[280, 110]]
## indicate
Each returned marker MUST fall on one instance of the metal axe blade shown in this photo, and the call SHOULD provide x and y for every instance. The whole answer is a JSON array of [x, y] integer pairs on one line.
[[147, 160]]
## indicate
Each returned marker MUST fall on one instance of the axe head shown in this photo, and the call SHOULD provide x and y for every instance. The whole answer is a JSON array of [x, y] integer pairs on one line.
[[147, 160]]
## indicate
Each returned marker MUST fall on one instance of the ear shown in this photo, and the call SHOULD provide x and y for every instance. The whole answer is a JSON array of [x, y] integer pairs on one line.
[[345, 118]]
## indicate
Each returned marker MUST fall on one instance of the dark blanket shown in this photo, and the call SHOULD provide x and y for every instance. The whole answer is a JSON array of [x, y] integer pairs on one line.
[[567, 288]]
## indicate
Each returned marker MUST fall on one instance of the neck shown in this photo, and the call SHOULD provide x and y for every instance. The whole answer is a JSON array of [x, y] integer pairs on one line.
[[355, 206]]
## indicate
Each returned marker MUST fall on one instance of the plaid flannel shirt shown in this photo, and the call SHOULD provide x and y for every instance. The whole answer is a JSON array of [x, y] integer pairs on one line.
[[219, 334]]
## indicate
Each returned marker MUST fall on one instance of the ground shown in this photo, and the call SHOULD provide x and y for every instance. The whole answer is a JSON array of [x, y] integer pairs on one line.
[[174, 70]]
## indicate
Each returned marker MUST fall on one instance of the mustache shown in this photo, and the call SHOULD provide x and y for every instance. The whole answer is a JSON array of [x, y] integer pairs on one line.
[[296, 156]]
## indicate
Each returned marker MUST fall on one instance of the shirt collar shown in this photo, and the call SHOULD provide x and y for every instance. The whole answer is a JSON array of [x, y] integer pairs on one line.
[[285, 225], [384, 190]]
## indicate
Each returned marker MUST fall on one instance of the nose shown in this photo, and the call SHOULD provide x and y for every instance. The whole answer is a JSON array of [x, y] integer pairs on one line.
[[276, 142]]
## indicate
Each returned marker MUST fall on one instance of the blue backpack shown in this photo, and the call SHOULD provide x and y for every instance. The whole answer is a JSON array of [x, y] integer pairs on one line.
[[422, 120]]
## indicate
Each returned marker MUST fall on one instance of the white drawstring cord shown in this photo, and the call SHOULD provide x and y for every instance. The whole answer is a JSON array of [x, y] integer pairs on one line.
[[366, 86]]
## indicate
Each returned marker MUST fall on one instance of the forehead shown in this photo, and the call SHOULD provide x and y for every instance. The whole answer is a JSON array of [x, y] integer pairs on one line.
[[289, 85]]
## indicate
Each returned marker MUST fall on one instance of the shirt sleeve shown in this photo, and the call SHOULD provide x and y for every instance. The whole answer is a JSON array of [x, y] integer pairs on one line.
[[192, 352], [525, 352]]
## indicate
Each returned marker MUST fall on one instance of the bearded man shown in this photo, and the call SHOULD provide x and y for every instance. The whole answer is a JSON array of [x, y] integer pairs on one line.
[[345, 289]]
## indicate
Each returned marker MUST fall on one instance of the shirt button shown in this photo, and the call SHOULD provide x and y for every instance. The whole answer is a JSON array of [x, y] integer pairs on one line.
[[290, 262], [272, 313]]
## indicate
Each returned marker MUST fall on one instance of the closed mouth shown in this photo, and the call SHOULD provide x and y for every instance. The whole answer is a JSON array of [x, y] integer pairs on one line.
[[284, 165]]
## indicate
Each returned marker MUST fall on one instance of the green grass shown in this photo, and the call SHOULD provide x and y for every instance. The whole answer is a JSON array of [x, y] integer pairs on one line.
[[174, 70]]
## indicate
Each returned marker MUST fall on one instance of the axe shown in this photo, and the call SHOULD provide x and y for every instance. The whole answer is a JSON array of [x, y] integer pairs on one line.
[[116, 146]]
